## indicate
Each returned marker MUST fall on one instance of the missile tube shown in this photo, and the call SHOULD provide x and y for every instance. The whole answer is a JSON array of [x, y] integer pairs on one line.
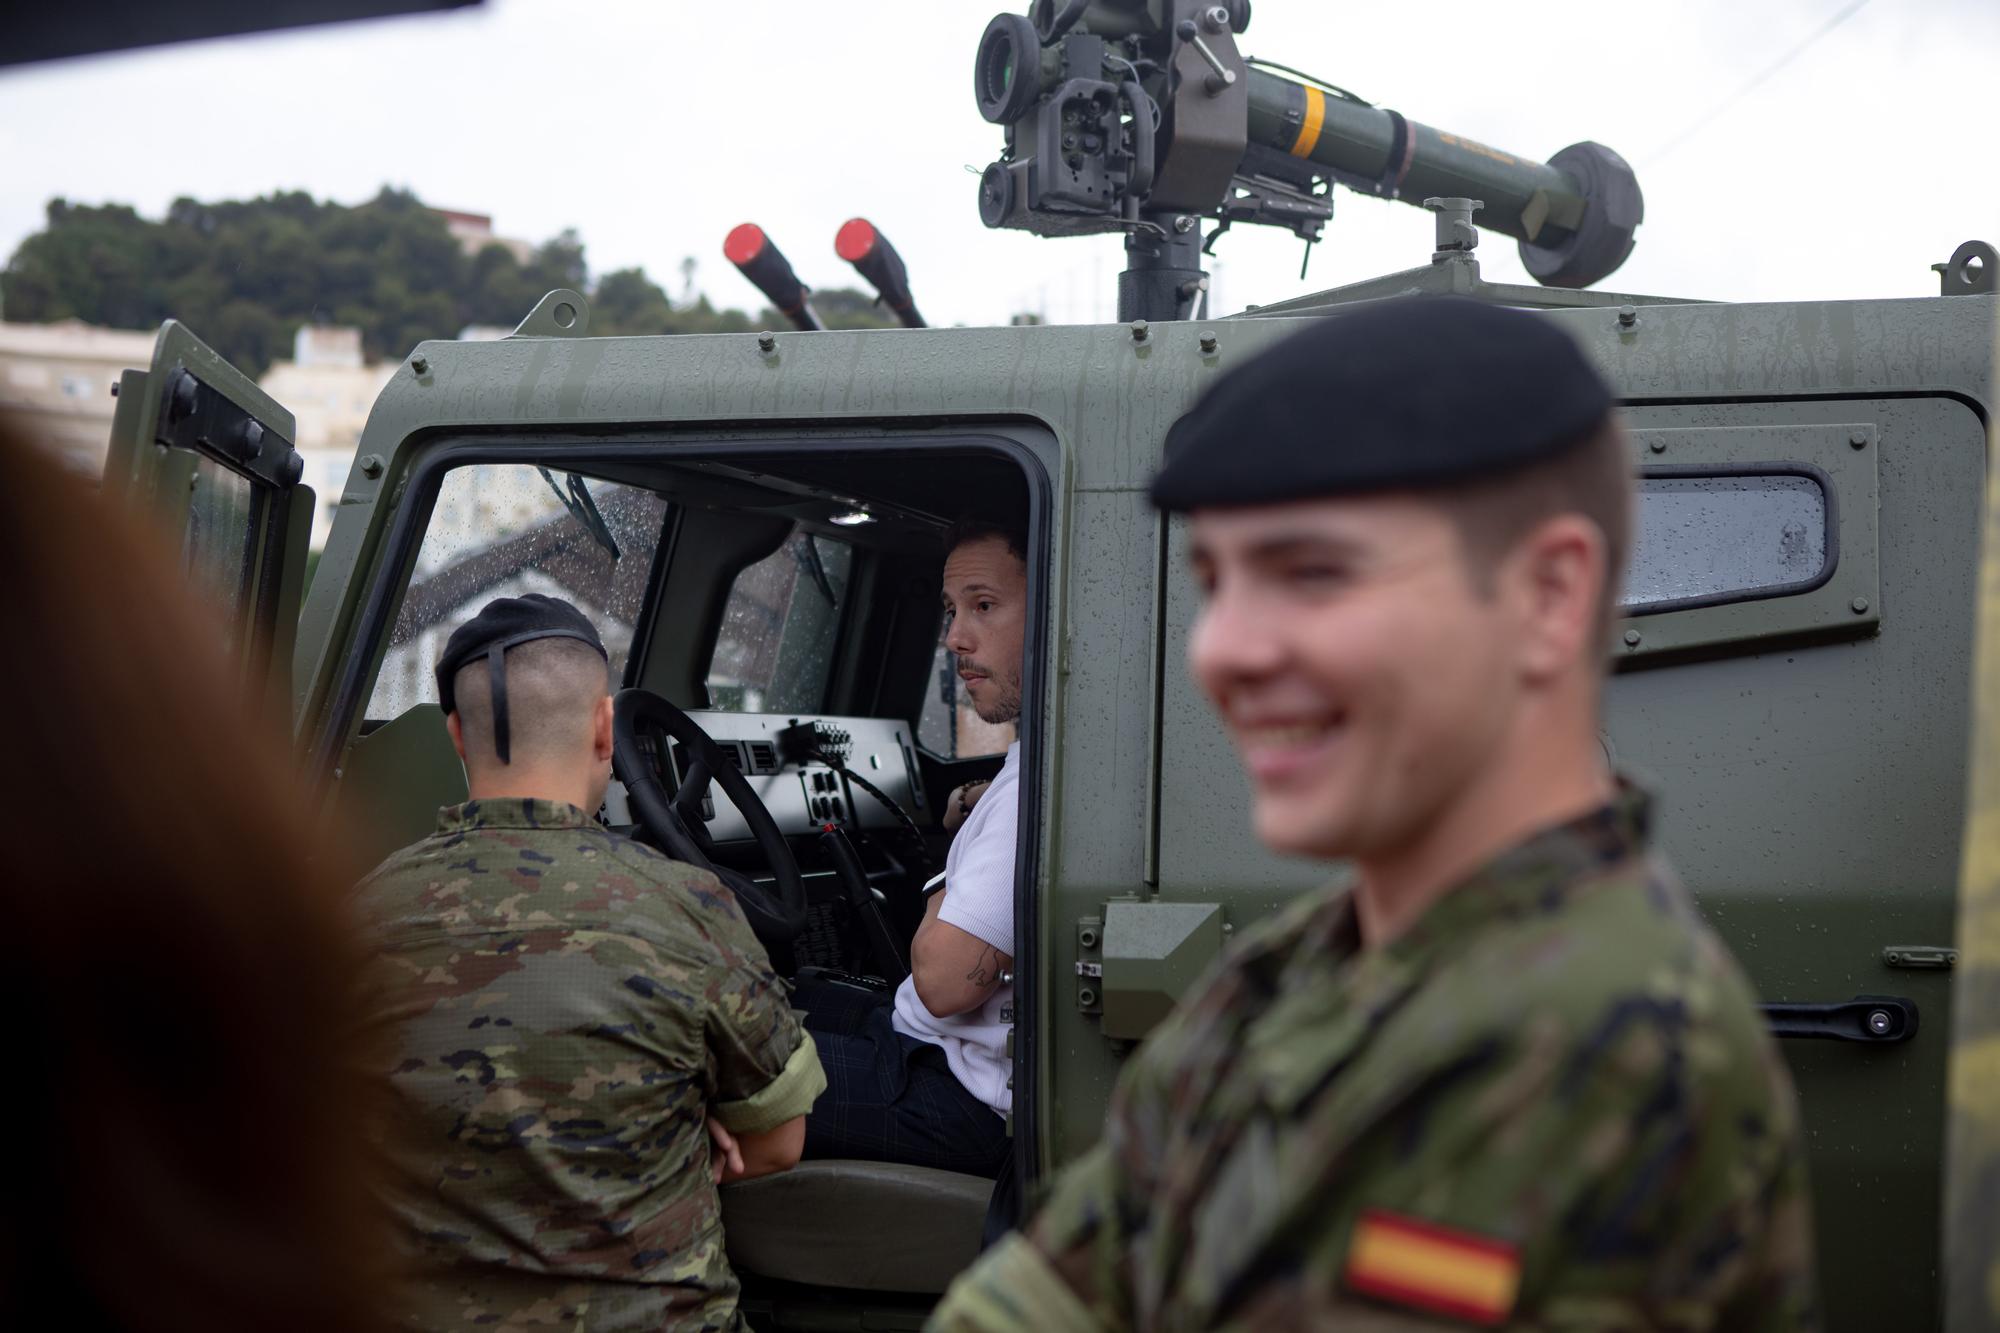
[[1382, 152]]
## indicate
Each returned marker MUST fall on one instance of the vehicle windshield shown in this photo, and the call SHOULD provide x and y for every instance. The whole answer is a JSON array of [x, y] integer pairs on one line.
[[780, 627], [504, 529]]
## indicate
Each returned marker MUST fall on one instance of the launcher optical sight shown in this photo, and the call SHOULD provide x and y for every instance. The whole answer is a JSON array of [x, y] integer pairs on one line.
[[1141, 116]]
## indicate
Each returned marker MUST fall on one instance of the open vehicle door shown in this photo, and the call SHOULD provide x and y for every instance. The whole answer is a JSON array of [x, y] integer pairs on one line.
[[198, 447]]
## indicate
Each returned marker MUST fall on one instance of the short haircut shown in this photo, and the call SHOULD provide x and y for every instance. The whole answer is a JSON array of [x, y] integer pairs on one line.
[[979, 527], [1592, 478], [552, 686]]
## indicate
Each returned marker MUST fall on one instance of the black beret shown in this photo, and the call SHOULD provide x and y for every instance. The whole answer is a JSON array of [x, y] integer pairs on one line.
[[1411, 393], [508, 622]]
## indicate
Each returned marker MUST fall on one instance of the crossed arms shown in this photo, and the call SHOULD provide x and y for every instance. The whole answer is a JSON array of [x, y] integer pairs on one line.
[[954, 969]]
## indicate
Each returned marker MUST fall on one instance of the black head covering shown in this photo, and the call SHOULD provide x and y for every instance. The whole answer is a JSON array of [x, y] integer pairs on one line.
[[1413, 393], [508, 622]]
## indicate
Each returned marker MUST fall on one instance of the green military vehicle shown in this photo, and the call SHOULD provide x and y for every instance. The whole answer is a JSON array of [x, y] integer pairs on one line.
[[754, 522]]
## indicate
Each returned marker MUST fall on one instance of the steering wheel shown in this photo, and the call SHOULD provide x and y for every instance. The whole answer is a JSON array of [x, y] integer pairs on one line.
[[675, 822]]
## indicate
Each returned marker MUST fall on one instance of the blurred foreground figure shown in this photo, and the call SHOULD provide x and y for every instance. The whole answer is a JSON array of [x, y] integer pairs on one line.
[[577, 1020], [1509, 1078], [184, 1142]]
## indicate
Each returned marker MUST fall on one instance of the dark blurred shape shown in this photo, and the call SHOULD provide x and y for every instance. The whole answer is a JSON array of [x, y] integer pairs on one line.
[[765, 265], [57, 32], [863, 245], [180, 993]]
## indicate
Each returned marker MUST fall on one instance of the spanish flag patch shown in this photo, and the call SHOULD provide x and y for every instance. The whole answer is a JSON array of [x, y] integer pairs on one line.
[[1433, 1268]]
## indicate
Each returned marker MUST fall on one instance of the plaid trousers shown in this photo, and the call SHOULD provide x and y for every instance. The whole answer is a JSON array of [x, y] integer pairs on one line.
[[892, 1098]]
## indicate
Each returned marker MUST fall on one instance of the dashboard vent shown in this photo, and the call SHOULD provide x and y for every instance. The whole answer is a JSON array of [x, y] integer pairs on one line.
[[763, 757]]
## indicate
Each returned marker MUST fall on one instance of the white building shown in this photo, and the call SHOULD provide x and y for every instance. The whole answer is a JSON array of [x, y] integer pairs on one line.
[[55, 384], [56, 380], [330, 390]]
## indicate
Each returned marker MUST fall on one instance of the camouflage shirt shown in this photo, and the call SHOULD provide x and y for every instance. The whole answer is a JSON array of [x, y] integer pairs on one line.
[[1552, 1104], [567, 1005]]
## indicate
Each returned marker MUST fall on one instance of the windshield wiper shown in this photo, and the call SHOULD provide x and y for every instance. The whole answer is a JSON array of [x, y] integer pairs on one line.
[[583, 509], [808, 555]]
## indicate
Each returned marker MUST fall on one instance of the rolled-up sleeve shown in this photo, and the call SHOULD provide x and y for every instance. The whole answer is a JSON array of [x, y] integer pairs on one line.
[[786, 1097]]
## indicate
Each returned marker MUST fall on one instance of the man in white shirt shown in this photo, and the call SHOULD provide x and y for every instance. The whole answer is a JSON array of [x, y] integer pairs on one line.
[[925, 1080]]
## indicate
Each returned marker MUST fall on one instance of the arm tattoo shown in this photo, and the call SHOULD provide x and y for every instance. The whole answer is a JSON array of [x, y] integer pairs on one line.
[[985, 973]]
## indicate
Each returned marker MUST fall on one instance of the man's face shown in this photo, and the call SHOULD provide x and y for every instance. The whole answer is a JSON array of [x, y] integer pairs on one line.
[[1364, 680], [986, 614]]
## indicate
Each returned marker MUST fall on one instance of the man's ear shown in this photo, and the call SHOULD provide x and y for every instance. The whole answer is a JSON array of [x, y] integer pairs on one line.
[[457, 734], [1557, 570], [600, 729]]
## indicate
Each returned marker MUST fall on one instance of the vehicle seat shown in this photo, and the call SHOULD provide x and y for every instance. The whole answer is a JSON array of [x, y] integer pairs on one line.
[[868, 1226]]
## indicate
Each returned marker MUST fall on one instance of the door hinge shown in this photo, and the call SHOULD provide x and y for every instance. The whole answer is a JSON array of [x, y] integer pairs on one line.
[[195, 416], [1090, 964]]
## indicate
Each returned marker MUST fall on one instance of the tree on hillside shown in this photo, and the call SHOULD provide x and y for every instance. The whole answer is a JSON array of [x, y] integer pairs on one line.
[[846, 308], [701, 317], [246, 274], [627, 301]]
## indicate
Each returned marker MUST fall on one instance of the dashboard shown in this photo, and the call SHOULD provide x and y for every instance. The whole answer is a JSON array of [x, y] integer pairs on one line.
[[805, 793]]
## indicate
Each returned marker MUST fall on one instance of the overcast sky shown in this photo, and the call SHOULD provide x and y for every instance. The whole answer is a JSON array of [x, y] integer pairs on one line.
[[653, 128]]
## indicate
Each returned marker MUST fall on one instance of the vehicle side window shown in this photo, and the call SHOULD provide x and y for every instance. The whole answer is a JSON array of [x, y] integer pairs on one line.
[[948, 727], [1727, 536], [774, 652], [505, 529]]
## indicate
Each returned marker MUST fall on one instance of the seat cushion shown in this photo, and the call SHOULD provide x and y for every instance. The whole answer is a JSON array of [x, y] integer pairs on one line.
[[868, 1226]]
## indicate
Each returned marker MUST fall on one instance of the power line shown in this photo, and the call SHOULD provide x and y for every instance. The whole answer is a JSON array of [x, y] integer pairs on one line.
[[1716, 112]]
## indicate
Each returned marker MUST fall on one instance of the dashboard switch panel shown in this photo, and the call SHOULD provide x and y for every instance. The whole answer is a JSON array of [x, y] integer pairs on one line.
[[784, 760]]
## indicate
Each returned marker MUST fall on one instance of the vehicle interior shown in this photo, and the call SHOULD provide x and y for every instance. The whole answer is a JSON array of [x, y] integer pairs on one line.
[[787, 718]]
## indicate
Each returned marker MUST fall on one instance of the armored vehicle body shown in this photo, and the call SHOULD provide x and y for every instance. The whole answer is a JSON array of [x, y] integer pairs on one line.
[[754, 522]]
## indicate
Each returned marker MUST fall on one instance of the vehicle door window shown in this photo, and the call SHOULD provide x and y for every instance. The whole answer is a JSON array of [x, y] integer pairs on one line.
[[506, 529], [220, 540], [948, 727], [780, 627]]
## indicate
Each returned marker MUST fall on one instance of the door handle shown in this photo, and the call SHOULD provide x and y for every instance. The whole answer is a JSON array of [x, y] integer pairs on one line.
[[1868, 1018]]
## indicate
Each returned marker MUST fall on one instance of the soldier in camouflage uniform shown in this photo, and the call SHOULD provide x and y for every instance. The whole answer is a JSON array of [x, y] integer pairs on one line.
[[570, 1008], [1508, 1077]]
